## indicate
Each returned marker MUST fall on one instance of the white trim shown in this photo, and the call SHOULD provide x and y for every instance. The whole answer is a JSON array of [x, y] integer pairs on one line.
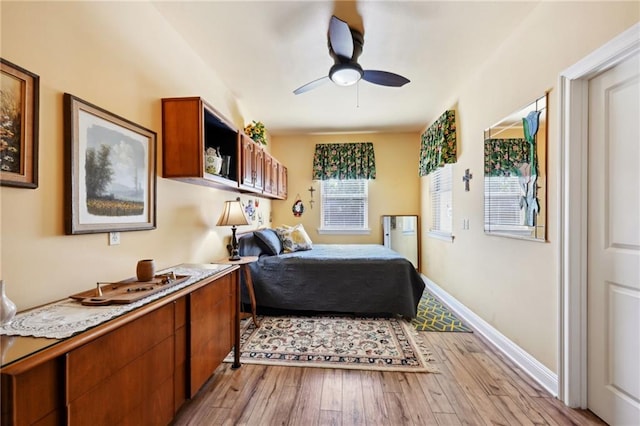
[[539, 372], [444, 236], [514, 236], [572, 202], [360, 231]]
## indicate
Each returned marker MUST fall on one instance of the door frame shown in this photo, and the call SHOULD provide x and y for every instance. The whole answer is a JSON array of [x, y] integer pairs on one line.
[[572, 202]]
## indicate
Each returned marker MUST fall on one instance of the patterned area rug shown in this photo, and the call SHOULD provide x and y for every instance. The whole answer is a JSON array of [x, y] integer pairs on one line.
[[385, 344], [434, 316]]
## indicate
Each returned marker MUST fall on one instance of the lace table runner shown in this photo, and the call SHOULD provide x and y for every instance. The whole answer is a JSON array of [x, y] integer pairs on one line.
[[67, 317]]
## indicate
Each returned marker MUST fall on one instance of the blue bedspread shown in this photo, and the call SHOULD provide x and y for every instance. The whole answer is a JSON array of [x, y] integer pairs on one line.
[[353, 278]]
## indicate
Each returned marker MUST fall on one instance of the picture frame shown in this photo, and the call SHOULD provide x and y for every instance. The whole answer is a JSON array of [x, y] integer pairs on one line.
[[19, 106], [110, 171]]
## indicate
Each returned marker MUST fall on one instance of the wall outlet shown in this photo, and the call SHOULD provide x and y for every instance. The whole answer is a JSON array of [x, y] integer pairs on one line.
[[114, 238]]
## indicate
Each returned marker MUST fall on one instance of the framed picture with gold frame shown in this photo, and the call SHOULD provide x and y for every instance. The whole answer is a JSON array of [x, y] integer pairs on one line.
[[110, 171], [19, 98]]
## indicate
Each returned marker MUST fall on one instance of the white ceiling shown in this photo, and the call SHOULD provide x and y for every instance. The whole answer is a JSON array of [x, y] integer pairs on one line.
[[263, 50]]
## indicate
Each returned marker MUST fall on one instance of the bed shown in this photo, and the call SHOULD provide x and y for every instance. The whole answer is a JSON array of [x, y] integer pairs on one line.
[[346, 278]]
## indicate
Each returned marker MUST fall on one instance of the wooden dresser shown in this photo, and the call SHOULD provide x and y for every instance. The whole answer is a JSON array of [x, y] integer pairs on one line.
[[138, 368]]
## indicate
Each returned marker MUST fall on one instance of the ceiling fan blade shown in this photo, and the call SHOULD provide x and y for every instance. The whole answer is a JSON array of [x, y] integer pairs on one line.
[[340, 38], [384, 78], [311, 85]]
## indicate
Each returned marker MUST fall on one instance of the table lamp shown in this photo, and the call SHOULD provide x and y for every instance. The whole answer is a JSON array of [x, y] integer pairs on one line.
[[233, 215]]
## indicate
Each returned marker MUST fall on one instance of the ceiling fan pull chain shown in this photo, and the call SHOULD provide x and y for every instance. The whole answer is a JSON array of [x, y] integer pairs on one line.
[[358, 94]]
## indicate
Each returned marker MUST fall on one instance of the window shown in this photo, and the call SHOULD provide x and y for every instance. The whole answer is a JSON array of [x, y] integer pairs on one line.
[[441, 202], [344, 206]]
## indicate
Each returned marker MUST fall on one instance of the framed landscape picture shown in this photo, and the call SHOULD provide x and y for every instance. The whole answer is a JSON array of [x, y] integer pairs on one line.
[[19, 96], [110, 171]]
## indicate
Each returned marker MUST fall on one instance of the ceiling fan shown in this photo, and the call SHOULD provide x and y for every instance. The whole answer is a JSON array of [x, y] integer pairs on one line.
[[345, 46]]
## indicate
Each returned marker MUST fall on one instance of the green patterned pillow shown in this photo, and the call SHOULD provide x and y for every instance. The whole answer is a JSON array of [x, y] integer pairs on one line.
[[294, 238]]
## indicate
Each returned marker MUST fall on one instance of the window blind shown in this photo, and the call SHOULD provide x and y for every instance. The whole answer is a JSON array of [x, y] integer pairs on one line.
[[502, 201], [344, 204], [441, 200]]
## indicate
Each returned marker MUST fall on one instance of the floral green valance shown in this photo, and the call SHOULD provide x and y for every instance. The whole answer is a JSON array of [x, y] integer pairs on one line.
[[438, 145], [344, 161], [505, 157]]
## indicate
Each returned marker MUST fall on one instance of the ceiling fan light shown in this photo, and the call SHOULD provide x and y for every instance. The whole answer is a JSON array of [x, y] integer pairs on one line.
[[345, 74]]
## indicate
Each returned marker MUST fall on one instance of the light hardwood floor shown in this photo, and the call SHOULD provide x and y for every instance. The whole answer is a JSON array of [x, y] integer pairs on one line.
[[475, 386]]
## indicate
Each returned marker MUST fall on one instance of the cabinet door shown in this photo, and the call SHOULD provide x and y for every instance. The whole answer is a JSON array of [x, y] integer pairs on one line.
[[275, 170], [252, 164], [211, 329], [248, 155], [268, 174], [182, 138], [282, 182], [258, 168], [34, 395]]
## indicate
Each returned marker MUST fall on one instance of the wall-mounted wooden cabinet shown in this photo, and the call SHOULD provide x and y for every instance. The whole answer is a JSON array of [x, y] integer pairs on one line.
[[275, 177], [189, 127]]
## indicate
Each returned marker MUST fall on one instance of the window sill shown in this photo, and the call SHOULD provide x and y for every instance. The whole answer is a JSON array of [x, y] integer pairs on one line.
[[344, 231], [441, 236]]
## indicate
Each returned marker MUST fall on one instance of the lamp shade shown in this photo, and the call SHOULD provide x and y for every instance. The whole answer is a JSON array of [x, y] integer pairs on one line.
[[233, 214]]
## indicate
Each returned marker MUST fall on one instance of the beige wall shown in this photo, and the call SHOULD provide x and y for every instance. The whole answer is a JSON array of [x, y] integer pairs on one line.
[[123, 57], [513, 284], [396, 189]]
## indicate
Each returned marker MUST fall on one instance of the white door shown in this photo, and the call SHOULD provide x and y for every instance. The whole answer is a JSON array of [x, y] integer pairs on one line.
[[613, 245]]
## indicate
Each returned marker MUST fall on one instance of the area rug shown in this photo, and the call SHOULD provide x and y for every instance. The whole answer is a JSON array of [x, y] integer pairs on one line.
[[434, 316], [383, 344]]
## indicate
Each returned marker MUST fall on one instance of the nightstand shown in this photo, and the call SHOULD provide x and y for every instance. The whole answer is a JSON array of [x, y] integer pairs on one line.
[[244, 265]]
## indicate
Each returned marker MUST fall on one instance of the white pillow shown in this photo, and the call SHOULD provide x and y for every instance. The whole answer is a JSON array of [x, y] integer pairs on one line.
[[294, 238]]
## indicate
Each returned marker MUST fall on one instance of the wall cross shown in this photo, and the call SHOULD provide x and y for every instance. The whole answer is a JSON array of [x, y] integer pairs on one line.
[[466, 178], [311, 191]]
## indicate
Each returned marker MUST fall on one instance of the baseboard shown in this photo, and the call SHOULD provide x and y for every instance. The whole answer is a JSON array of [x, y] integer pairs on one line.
[[540, 373]]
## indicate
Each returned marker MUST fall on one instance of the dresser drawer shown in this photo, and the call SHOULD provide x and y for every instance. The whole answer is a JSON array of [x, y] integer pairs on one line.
[[94, 362], [144, 383]]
